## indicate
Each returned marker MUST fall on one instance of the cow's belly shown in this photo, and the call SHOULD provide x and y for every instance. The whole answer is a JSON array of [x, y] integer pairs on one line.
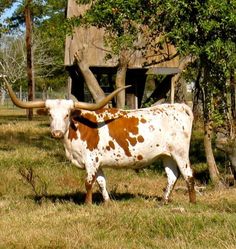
[[128, 163], [139, 158]]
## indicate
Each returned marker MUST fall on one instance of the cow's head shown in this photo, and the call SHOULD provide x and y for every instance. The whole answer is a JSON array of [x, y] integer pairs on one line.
[[59, 112], [59, 109]]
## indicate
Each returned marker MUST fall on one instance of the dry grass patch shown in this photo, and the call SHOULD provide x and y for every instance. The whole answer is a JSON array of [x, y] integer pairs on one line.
[[134, 219]]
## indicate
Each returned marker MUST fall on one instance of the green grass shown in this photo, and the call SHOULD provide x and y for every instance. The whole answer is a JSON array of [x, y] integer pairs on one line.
[[53, 214]]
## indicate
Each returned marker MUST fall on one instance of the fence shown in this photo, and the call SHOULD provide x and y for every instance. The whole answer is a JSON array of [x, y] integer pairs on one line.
[[6, 102]]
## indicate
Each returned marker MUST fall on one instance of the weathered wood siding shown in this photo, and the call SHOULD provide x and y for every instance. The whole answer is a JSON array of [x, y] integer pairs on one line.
[[90, 40]]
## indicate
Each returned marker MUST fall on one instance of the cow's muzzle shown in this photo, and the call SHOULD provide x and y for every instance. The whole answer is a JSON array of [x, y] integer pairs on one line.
[[57, 134]]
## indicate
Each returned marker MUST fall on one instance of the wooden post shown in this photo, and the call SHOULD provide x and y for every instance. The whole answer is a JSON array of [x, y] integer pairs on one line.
[[69, 85], [233, 94], [172, 90], [28, 37]]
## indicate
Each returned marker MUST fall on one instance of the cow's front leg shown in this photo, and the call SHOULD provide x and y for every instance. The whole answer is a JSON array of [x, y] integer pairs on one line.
[[89, 190], [89, 181], [102, 184]]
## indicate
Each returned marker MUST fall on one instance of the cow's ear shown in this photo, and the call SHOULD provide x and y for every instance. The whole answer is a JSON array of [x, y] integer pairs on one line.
[[42, 112]]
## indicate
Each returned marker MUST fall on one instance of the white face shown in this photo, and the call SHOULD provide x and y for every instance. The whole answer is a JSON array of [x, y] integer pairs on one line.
[[59, 111]]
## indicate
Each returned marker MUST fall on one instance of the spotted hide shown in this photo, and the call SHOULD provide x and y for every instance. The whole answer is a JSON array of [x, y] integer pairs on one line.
[[118, 138]]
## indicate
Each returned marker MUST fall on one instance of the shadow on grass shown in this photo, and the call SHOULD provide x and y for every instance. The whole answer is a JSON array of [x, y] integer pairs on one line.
[[79, 198], [14, 139]]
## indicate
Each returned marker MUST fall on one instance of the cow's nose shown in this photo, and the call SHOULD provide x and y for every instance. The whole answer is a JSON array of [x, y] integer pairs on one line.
[[57, 134]]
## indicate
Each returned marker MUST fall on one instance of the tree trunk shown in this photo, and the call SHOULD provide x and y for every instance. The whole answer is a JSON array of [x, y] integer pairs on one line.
[[207, 101], [3, 96], [228, 146], [233, 94], [120, 81], [213, 170], [178, 89], [28, 24], [89, 78]]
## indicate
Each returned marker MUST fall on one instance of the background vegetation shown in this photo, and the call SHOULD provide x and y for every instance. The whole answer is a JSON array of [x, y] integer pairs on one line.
[[42, 200]]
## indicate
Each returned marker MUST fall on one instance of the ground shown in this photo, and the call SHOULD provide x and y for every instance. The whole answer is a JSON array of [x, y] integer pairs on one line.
[[42, 201]]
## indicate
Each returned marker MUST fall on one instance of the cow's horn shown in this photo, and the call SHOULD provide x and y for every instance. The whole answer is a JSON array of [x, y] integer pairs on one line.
[[102, 103], [23, 104]]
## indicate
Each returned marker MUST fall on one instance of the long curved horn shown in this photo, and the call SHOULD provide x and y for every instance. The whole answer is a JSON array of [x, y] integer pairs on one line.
[[22, 104], [102, 103]]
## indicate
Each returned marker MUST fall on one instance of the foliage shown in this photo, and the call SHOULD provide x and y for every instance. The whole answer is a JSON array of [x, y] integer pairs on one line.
[[49, 37], [4, 5], [205, 30], [201, 28]]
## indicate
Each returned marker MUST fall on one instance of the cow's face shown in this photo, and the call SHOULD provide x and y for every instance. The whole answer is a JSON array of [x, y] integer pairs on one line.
[[59, 111]]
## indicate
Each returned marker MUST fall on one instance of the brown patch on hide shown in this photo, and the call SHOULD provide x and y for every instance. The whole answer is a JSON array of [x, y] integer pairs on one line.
[[87, 127], [121, 129], [72, 133], [151, 128], [143, 120], [140, 139], [111, 144], [140, 157]]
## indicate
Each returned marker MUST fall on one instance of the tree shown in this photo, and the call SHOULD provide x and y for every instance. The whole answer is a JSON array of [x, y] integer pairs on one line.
[[5, 4], [206, 30], [47, 41], [13, 62], [29, 52], [12, 58]]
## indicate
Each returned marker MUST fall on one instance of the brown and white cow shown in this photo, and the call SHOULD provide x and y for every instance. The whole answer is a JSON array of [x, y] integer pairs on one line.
[[96, 138]]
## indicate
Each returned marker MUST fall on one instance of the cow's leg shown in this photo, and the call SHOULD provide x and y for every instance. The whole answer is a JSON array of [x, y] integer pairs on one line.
[[89, 191], [187, 172], [89, 181], [172, 173], [102, 184]]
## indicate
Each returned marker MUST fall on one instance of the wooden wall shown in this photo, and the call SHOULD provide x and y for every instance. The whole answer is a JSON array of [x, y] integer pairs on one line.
[[90, 40]]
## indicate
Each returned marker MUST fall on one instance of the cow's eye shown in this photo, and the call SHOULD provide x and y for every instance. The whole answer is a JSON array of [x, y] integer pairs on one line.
[[67, 115]]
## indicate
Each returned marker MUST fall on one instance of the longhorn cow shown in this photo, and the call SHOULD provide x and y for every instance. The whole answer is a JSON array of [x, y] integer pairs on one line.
[[96, 137]]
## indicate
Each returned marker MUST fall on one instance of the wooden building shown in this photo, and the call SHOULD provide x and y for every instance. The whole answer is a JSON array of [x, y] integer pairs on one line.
[[90, 40]]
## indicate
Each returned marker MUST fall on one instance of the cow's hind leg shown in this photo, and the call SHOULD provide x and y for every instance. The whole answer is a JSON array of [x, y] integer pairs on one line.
[[186, 171], [102, 184], [172, 173]]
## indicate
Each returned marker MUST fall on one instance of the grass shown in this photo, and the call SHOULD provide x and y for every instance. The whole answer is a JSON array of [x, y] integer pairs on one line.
[[53, 214]]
